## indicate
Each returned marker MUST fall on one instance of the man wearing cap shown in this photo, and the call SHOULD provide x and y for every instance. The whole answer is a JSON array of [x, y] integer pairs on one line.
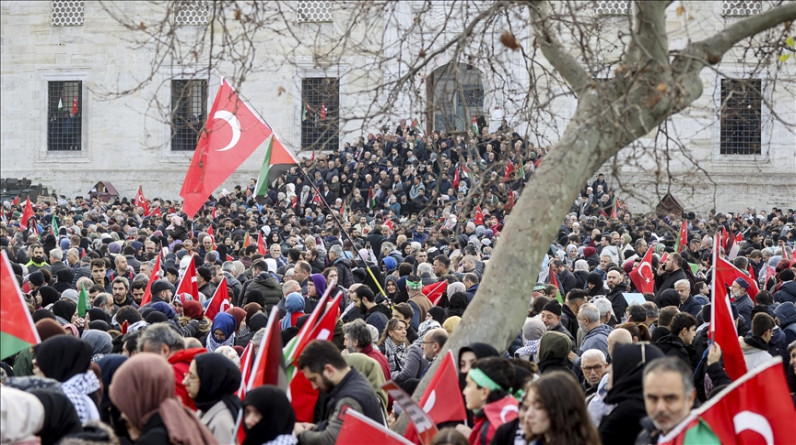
[[551, 317], [741, 300], [162, 290]]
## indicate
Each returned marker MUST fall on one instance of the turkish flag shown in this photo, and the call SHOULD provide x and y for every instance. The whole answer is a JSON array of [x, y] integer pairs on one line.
[[642, 276], [442, 399], [260, 243], [434, 291], [210, 230], [156, 212], [754, 409], [722, 326], [27, 213], [479, 216], [188, 284], [220, 301], [510, 202], [358, 429], [456, 178], [74, 105], [683, 236], [727, 273], [140, 201], [232, 133], [152, 278], [509, 170], [267, 368]]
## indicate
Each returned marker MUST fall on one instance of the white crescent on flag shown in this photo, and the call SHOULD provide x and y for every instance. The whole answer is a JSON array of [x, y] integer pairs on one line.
[[641, 272], [506, 410], [432, 398], [234, 125], [748, 420]]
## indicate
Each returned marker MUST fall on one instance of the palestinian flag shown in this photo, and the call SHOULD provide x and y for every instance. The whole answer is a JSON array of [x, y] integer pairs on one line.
[[277, 161], [475, 126], [17, 330], [54, 224]]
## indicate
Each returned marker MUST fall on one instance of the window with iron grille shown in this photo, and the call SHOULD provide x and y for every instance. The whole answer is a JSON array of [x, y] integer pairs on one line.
[[191, 12], [188, 112], [741, 105], [64, 115], [472, 96], [320, 113], [740, 8], [612, 7], [316, 11], [67, 13]]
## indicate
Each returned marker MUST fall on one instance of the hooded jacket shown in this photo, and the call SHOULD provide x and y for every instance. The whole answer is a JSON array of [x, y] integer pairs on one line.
[[554, 348], [674, 346], [786, 292], [755, 351], [270, 288]]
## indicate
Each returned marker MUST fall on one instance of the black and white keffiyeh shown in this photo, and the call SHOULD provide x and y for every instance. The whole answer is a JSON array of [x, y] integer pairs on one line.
[[77, 390]]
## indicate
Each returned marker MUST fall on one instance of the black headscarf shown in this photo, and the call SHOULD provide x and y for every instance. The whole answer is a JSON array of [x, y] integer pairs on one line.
[[627, 367], [63, 356], [669, 297], [219, 378], [98, 314], [49, 295], [64, 309], [60, 417], [257, 322], [457, 304], [277, 414], [109, 365]]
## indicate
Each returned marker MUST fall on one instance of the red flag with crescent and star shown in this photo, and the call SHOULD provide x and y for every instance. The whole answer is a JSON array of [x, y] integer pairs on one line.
[[140, 201], [232, 133], [442, 399], [642, 276]]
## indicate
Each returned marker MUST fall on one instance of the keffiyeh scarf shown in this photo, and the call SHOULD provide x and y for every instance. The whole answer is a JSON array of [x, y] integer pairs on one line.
[[77, 390], [396, 354], [212, 344]]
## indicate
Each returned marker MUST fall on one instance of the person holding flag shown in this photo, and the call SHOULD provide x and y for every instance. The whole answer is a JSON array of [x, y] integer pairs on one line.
[[345, 387]]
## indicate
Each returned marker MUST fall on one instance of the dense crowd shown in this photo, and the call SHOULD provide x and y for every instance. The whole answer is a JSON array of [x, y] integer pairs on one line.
[[403, 224]]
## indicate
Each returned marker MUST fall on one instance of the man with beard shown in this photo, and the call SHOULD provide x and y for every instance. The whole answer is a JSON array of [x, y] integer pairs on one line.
[[668, 397], [345, 388], [616, 288], [119, 288], [357, 338], [741, 299], [376, 315], [37, 260]]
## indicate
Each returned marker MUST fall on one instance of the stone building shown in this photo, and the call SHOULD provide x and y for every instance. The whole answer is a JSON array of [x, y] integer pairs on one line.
[[64, 63]]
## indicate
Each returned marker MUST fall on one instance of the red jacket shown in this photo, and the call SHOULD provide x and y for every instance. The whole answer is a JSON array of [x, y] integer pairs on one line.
[[375, 354], [180, 362]]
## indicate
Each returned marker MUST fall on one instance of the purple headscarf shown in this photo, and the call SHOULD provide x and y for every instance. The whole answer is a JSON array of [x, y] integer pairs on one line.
[[320, 283]]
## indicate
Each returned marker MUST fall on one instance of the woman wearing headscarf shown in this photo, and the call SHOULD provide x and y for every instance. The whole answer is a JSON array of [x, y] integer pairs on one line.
[[46, 327], [143, 390], [268, 417], [294, 306], [60, 417], [101, 343], [581, 273], [316, 286], [193, 322], [240, 320], [67, 359], [64, 310], [458, 303], [22, 414], [622, 425], [257, 322], [108, 367], [532, 332], [211, 382], [554, 348], [222, 332]]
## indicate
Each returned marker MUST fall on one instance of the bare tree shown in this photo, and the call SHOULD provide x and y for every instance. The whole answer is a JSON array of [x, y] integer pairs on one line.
[[620, 72]]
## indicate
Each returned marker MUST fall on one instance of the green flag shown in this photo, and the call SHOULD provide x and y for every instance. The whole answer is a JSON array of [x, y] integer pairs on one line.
[[694, 268], [54, 223], [82, 302]]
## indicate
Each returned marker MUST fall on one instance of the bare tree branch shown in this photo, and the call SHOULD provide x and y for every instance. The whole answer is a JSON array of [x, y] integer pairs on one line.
[[554, 51]]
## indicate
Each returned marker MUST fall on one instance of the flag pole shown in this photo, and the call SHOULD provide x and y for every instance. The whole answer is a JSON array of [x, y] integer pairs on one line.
[[712, 330], [342, 229]]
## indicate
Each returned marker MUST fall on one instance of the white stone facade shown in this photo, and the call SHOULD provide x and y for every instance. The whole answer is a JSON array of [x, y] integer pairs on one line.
[[126, 140]]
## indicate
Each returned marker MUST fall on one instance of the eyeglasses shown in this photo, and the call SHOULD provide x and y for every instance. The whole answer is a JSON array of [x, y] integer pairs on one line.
[[592, 368]]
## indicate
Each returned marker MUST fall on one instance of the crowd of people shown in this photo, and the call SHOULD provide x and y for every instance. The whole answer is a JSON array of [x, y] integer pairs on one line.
[[403, 224]]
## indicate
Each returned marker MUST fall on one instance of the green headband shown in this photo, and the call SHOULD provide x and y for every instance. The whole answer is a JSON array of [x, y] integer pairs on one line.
[[414, 284], [483, 380]]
